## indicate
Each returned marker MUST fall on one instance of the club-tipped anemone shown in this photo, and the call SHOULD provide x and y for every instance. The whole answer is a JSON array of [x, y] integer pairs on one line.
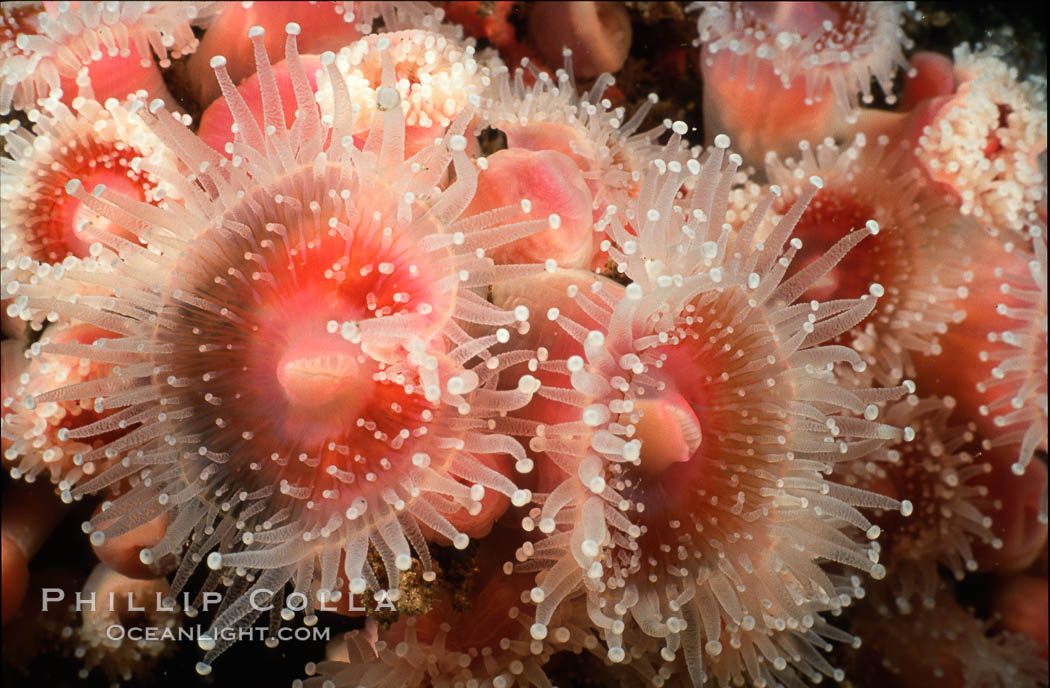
[[985, 142], [936, 473], [1018, 601], [945, 645], [294, 349], [123, 602], [835, 48], [994, 357], [435, 76], [50, 439], [400, 15], [698, 425], [486, 644], [39, 47], [548, 113], [806, 66], [1016, 390], [914, 251], [45, 229]]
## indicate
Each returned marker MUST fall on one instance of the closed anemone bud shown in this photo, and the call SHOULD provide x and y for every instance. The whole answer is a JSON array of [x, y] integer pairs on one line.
[[597, 33], [1018, 602], [603, 142], [806, 65], [129, 554], [30, 514], [930, 76], [559, 198], [298, 366], [216, 123], [1018, 515], [689, 362]]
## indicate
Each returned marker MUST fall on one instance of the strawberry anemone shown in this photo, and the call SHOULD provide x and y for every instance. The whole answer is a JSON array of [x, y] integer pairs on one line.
[[45, 46], [52, 439], [915, 248], [293, 348], [436, 77], [801, 64], [1001, 342], [486, 644], [944, 645], [103, 146], [698, 420], [984, 142], [937, 477], [538, 112]]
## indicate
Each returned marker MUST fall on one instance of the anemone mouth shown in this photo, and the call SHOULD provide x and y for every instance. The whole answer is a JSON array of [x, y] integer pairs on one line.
[[315, 375], [57, 41], [708, 434], [669, 430], [250, 327]]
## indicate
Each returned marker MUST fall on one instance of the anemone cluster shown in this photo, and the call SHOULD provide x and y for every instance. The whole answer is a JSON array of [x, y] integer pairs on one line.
[[328, 302]]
